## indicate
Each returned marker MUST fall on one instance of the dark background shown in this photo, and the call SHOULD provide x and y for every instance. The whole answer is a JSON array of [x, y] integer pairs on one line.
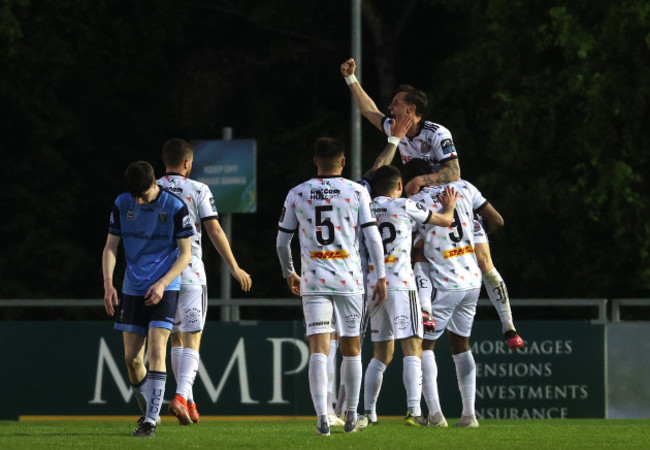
[[547, 101]]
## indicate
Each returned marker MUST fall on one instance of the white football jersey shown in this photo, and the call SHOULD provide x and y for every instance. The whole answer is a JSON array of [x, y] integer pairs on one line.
[[200, 203], [433, 144], [397, 218], [328, 214], [451, 249]]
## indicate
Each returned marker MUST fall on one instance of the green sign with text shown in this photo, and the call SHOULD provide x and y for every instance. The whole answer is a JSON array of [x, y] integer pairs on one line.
[[260, 368]]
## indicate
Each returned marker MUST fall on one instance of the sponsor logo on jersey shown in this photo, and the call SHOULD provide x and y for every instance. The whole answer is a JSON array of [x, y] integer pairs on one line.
[[391, 259], [458, 252], [162, 217], [214, 206], [187, 221], [282, 213], [331, 254], [447, 146], [324, 194], [129, 214]]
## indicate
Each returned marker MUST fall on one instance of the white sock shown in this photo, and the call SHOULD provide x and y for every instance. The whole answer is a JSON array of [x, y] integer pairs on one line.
[[340, 401], [331, 375], [430, 381], [189, 364], [156, 392], [351, 373], [139, 391], [498, 293], [176, 354], [373, 378], [412, 378], [423, 283], [466, 375], [318, 382]]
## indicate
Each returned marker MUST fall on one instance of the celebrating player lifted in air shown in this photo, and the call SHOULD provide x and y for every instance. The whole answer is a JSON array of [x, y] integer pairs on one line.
[[432, 143], [329, 212]]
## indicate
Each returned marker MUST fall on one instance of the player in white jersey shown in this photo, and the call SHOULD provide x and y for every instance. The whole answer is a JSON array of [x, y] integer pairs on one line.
[[432, 143], [328, 212], [456, 279], [424, 140], [399, 318], [178, 155]]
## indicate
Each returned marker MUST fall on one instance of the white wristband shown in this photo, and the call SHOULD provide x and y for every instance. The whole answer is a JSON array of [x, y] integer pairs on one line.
[[351, 79], [393, 140]]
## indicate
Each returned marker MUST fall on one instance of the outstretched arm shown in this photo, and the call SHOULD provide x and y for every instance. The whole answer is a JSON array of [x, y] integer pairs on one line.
[[220, 242], [450, 171], [365, 104]]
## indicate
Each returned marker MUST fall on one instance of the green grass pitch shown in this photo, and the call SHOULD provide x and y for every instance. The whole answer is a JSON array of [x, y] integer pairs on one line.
[[256, 433]]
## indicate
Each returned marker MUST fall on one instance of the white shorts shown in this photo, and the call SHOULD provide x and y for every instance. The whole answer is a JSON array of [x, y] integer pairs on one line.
[[454, 311], [400, 317], [480, 236], [192, 308], [340, 314]]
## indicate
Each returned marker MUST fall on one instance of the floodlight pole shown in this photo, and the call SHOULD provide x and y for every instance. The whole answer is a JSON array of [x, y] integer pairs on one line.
[[355, 132], [228, 313]]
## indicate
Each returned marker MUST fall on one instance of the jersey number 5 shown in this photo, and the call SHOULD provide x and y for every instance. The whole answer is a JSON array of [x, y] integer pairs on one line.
[[324, 222]]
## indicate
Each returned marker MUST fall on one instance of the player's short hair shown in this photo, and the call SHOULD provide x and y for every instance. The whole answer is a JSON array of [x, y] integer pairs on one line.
[[414, 97], [414, 168], [329, 151], [138, 177], [385, 179], [175, 151]]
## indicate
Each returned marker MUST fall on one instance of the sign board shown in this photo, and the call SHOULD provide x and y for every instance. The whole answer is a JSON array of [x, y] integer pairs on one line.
[[228, 167], [261, 368]]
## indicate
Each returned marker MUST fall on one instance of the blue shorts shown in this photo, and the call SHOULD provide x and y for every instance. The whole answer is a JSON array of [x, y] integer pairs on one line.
[[135, 317]]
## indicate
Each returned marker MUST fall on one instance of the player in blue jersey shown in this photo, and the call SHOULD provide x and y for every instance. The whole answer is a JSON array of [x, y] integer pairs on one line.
[[155, 228]]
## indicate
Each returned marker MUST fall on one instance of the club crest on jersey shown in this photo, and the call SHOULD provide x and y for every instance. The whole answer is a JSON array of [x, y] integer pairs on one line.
[[162, 217], [129, 214], [332, 254], [458, 252], [425, 147]]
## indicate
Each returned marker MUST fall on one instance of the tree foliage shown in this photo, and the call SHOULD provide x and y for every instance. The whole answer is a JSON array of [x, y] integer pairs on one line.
[[546, 101]]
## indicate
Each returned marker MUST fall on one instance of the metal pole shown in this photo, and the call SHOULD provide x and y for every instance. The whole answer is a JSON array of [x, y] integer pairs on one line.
[[226, 225], [355, 146]]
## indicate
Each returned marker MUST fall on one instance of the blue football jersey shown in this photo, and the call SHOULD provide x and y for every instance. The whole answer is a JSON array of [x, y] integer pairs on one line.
[[149, 234]]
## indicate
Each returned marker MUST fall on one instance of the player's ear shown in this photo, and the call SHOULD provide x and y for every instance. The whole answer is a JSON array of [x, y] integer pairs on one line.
[[342, 161], [399, 185]]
